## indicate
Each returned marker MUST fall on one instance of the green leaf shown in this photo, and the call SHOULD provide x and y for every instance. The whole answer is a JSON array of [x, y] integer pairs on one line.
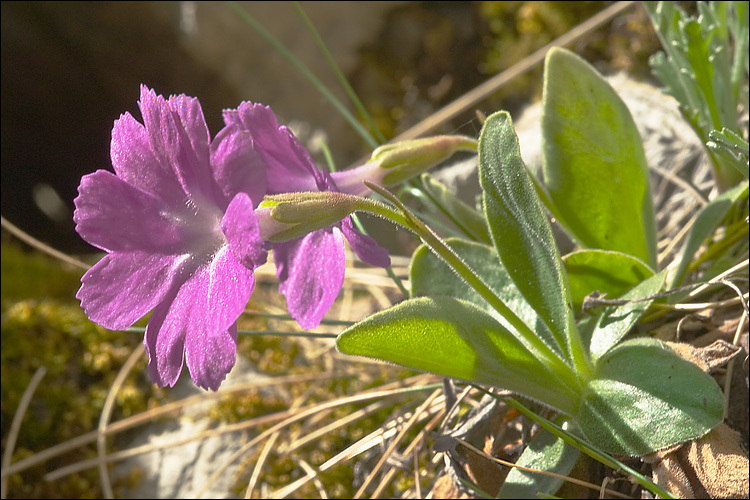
[[590, 450], [705, 224], [430, 276], [698, 52], [545, 452], [471, 222], [457, 339], [605, 271], [522, 234], [730, 148], [614, 323], [594, 165], [646, 398]]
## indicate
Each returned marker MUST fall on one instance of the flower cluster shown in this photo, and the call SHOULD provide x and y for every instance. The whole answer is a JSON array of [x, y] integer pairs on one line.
[[181, 225]]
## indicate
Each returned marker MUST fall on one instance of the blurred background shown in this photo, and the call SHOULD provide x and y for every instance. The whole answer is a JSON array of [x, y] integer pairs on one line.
[[69, 69]]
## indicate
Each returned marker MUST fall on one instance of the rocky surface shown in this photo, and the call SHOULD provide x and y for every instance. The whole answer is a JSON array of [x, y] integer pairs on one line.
[[185, 470]]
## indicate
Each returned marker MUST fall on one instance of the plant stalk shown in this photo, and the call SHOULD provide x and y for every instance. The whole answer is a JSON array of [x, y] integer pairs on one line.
[[411, 222]]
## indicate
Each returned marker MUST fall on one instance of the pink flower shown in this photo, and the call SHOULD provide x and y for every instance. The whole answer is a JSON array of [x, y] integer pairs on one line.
[[178, 224]]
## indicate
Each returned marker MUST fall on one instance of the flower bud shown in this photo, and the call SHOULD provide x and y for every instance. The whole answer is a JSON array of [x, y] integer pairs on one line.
[[392, 164], [406, 159], [288, 216]]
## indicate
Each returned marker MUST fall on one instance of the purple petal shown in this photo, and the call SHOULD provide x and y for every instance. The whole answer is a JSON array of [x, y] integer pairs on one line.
[[161, 129], [237, 166], [122, 287], [366, 248], [166, 353], [202, 319], [171, 141], [310, 272], [191, 117], [135, 163], [113, 215], [210, 356], [240, 226], [253, 116], [323, 180], [287, 170]]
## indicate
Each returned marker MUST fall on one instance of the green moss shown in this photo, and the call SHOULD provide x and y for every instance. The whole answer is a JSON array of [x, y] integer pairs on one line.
[[30, 274], [43, 325], [271, 355]]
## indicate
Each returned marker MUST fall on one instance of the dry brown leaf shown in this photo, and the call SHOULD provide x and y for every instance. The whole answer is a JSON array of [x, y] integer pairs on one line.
[[714, 466], [708, 358]]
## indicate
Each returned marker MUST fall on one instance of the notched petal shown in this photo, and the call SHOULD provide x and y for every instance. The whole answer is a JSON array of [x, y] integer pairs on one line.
[[135, 163], [237, 166], [115, 216], [121, 288], [180, 144], [199, 319], [240, 226], [210, 356], [164, 346], [191, 116], [288, 165]]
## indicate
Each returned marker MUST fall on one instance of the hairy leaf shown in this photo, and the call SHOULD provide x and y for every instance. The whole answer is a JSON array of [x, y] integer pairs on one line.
[[456, 339], [430, 276], [604, 271], [522, 234], [646, 398], [615, 322], [594, 165]]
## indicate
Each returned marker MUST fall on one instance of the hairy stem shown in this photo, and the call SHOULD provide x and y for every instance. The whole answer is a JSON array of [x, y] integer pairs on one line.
[[406, 219]]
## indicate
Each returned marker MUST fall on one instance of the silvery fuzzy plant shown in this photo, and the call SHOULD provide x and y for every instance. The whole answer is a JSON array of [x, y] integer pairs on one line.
[[497, 307], [705, 67]]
